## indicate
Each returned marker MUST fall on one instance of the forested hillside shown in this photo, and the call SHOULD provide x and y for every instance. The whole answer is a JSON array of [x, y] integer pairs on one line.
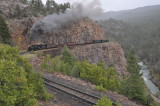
[[29, 8], [138, 16], [101, 65], [143, 38]]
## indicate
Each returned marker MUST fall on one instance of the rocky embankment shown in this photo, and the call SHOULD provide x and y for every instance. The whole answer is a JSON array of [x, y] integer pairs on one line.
[[111, 53]]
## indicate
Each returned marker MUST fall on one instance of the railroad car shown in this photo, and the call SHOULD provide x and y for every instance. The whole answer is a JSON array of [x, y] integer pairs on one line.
[[105, 40], [47, 46], [97, 41], [100, 41], [51, 46]]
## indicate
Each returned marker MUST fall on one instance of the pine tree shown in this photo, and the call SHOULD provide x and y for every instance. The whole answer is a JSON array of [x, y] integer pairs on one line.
[[4, 32], [132, 63], [50, 6], [53, 7], [37, 7], [19, 86], [133, 86], [17, 10], [67, 56]]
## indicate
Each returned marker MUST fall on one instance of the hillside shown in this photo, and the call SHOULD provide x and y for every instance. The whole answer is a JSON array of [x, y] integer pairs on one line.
[[135, 16], [102, 64], [143, 38]]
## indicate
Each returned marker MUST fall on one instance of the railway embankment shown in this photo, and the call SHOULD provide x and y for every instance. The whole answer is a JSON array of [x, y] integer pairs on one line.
[[85, 87]]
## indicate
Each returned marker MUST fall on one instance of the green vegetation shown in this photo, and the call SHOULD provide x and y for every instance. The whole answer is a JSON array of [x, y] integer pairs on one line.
[[105, 79], [104, 101], [19, 86], [134, 87], [68, 57], [17, 11], [99, 75], [64, 63], [5, 37], [100, 88], [36, 8], [53, 7], [143, 38]]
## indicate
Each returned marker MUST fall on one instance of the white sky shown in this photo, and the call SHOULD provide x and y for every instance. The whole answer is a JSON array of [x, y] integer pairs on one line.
[[115, 5]]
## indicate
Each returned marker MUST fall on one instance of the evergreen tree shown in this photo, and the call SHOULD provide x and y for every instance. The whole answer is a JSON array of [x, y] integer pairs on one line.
[[4, 32], [133, 86], [133, 66], [19, 86], [17, 11], [51, 6], [37, 7], [67, 56]]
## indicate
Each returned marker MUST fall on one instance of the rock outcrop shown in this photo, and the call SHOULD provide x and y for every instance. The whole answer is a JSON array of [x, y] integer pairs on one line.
[[111, 53], [19, 29], [81, 31], [8, 7]]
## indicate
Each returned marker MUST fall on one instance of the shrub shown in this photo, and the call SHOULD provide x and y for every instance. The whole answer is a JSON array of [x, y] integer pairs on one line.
[[19, 85]]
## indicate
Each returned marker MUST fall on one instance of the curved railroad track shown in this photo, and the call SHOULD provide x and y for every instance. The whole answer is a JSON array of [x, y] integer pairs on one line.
[[86, 97]]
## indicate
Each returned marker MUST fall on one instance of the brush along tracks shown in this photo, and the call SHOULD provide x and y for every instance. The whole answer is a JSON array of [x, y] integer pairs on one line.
[[82, 96]]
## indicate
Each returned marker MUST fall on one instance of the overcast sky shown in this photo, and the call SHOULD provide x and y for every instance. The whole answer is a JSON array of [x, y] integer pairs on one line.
[[115, 5]]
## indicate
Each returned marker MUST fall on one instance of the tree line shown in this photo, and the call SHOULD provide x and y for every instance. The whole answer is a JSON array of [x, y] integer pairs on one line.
[[36, 8]]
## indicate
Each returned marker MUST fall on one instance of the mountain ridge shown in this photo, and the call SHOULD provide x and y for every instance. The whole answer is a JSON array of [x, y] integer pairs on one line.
[[138, 15]]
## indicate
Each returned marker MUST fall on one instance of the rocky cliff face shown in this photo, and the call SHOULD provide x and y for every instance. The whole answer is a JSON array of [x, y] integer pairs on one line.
[[20, 20], [8, 7], [111, 53], [81, 31], [19, 29]]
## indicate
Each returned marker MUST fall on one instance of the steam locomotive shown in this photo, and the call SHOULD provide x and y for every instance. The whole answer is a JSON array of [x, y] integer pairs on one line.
[[48, 46]]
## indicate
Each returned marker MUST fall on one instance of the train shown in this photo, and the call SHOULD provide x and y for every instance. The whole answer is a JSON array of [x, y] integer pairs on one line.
[[36, 47]]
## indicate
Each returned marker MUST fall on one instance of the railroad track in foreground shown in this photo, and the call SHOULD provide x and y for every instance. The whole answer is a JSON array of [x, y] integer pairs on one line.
[[82, 96]]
